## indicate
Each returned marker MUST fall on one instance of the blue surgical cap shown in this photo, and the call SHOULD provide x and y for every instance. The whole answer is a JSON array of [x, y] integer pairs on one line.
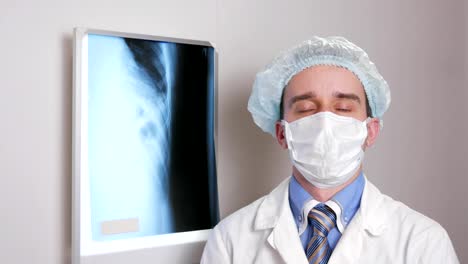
[[264, 102]]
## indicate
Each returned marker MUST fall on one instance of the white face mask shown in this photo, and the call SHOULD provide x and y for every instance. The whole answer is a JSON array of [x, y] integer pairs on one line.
[[326, 148]]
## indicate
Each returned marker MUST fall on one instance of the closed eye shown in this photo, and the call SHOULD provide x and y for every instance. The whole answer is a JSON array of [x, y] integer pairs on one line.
[[304, 106], [343, 110]]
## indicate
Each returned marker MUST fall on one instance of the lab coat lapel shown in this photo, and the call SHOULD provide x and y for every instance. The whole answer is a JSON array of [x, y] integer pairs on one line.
[[349, 246], [368, 220], [286, 240], [274, 213]]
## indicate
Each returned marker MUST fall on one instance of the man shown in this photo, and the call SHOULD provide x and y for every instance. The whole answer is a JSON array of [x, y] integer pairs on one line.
[[324, 100]]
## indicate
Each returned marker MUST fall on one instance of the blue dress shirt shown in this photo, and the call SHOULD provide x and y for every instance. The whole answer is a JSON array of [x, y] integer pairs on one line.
[[346, 202]]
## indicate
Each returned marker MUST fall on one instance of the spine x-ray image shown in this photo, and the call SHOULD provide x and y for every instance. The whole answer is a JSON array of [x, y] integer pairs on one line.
[[151, 160]]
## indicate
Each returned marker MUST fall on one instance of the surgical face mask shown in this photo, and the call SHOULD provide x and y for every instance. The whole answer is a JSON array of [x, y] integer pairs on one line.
[[326, 148]]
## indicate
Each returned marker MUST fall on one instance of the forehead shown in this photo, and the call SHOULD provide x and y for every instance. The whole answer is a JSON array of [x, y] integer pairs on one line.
[[324, 81]]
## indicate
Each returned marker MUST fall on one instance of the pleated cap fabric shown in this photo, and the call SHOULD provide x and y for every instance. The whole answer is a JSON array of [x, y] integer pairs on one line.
[[264, 101]]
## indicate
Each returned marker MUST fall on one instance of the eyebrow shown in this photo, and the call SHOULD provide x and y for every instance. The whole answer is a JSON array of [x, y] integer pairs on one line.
[[349, 96], [301, 97]]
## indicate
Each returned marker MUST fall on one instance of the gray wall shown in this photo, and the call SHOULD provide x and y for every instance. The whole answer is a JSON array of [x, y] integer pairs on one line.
[[419, 46]]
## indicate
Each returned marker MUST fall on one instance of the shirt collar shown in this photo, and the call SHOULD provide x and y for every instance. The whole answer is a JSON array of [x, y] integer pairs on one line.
[[349, 199], [298, 197], [345, 203]]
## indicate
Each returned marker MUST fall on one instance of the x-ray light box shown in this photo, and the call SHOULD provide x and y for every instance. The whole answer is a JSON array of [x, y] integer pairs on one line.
[[144, 169]]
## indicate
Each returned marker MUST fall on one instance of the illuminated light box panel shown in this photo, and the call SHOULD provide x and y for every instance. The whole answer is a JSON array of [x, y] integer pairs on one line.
[[144, 168]]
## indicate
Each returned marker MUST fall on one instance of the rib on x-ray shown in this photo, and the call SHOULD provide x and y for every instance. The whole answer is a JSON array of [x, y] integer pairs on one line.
[[151, 162]]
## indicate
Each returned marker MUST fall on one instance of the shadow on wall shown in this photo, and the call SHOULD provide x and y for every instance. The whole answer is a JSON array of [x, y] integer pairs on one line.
[[248, 156], [66, 117]]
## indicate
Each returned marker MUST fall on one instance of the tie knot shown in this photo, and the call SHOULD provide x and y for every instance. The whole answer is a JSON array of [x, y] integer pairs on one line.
[[322, 218]]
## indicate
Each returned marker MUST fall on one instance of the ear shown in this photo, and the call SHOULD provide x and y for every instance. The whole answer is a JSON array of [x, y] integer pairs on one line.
[[280, 136], [373, 130]]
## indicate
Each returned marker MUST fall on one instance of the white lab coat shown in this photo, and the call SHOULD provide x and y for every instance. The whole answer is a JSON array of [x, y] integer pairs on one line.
[[382, 231]]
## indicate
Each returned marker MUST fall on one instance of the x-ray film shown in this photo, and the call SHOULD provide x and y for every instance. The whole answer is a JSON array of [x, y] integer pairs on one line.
[[144, 138]]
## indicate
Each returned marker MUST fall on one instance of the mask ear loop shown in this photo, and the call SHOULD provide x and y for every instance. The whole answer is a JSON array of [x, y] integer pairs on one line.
[[287, 132], [366, 122], [368, 119]]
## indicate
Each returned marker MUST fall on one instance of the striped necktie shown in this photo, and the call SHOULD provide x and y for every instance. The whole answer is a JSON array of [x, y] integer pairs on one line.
[[322, 219]]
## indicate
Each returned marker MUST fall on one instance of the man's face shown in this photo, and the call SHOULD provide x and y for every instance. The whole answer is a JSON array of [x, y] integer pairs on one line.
[[324, 88]]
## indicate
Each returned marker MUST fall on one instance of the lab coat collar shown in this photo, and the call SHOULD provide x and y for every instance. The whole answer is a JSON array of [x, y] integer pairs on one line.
[[274, 213], [369, 220], [372, 214], [273, 206]]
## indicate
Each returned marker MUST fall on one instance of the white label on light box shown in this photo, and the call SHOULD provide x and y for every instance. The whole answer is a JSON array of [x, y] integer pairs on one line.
[[120, 226]]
